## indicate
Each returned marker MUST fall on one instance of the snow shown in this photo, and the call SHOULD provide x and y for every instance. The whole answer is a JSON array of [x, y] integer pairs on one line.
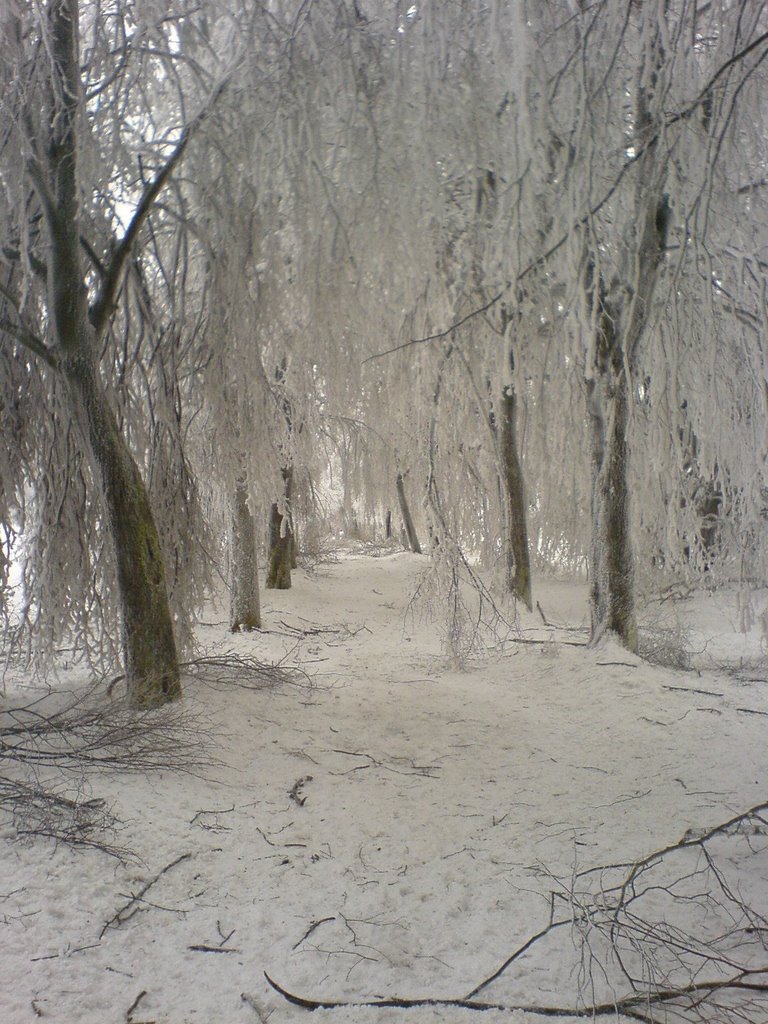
[[388, 825]]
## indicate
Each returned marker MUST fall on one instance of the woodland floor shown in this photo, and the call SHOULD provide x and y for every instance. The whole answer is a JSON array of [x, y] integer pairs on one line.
[[387, 826]]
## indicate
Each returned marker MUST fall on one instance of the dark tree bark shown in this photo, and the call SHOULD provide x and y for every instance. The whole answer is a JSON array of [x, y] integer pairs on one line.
[[504, 428], [245, 611], [518, 559], [620, 322], [612, 591], [279, 575], [621, 311], [281, 540], [405, 512]]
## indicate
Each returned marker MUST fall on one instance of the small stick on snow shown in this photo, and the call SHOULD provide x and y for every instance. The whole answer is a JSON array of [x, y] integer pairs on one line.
[[132, 1007], [214, 810], [308, 932], [202, 948], [691, 689]]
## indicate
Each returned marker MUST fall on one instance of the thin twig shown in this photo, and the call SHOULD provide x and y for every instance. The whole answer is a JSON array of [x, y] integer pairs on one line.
[[312, 927], [132, 905], [132, 1007]]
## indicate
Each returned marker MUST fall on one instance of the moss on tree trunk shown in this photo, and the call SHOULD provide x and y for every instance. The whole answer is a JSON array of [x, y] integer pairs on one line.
[[149, 647], [151, 663]]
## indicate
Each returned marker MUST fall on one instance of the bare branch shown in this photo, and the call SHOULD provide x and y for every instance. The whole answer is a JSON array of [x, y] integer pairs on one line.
[[448, 330], [31, 342], [103, 305]]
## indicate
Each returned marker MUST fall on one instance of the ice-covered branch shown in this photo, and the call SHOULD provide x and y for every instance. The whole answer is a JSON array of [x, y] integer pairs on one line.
[[102, 307]]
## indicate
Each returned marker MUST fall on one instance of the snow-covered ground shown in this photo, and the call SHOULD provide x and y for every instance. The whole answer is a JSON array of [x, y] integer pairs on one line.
[[391, 826]]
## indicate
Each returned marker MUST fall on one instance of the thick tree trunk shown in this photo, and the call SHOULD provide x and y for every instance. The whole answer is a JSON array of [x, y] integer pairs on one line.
[[612, 600], [149, 648], [151, 663], [621, 313], [245, 612], [621, 320], [518, 558], [281, 541], [405, 512]]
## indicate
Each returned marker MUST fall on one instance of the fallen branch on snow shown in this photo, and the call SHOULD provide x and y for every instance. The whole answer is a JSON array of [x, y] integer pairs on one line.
[[622, 920], [48, 749], [629, 1006]]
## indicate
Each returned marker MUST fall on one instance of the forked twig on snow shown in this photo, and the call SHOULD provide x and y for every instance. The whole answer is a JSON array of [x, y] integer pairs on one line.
[[133, 906]]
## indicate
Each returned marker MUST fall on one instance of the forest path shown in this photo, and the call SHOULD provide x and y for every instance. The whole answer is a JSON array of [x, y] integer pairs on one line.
[[390, 826]]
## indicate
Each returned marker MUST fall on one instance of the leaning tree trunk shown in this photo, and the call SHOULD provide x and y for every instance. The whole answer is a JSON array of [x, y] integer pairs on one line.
[[151, 662], [149, 648], [281, 542], [244, 608], [405, 512]]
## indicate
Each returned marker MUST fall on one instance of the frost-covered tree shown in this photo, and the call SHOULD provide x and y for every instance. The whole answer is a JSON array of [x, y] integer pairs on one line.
[[93, 127], [496, 218], [630, 117]]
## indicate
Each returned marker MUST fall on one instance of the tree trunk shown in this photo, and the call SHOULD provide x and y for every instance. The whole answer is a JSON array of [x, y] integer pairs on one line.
[[279, 575], [611, 588], [511, 484], [281, 542], [413, 540], [518, 558], [149, 648], [294, 539], [388, 525], [621, 315], [245, 612], [151, 663]]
